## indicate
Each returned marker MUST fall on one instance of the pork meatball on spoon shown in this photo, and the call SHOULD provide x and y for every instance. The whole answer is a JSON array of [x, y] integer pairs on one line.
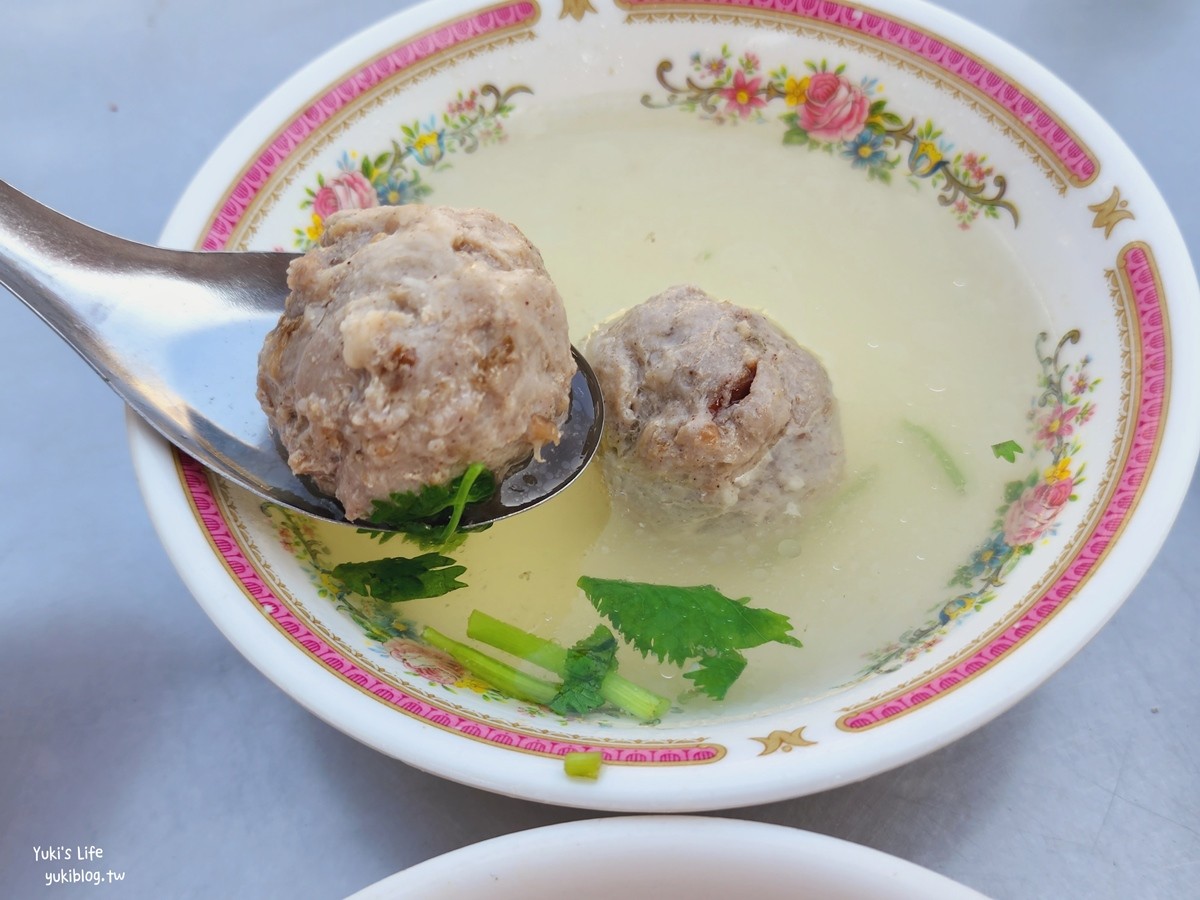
[[177, 335]]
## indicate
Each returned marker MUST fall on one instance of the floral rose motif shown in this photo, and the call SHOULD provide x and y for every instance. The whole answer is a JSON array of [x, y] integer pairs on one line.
[[393, 177], [1035, 511], [424, 661], [349, 190], [834, 109], [830, 111]]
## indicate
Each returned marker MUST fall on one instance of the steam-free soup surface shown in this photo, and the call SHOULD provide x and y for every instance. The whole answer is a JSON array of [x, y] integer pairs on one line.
[[915, 320]]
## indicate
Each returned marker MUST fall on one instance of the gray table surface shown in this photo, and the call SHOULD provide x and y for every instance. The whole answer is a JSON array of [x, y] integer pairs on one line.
[[127, 722]]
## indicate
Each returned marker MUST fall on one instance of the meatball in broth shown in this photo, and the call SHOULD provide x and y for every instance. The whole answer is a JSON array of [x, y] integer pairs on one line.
[[712, 415], [416, 340]]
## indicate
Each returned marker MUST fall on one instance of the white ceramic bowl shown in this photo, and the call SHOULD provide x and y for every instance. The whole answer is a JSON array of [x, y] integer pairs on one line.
[[667, 856], [936, 145]]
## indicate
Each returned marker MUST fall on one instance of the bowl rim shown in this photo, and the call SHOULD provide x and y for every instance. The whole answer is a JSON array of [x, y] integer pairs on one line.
[[906, 738], [647, 851]]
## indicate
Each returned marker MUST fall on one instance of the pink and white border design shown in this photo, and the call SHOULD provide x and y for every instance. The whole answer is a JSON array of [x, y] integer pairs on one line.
[[489, 22], [1150, 391], [1076, 160]]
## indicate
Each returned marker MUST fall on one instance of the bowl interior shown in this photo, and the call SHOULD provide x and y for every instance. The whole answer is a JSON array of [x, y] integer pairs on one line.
[[987, 275]]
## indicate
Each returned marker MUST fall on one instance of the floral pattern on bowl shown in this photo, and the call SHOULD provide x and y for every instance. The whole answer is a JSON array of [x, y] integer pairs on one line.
[[831, 113], [1032, 506], [473, 119]]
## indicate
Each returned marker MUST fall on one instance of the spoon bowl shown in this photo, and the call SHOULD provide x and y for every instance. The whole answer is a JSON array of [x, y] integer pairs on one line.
[[177, 333]]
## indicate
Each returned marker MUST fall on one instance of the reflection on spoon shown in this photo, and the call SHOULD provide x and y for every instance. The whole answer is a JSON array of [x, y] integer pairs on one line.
[[177, 333]]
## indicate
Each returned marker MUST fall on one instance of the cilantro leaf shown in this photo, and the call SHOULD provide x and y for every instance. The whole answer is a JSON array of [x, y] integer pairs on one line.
[[1007, 450], [587, 664], [682, 623], [398, 578], [432, 499], [716, 674], [422, 515]]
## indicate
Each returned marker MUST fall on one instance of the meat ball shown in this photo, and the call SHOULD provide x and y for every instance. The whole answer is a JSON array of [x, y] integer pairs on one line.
[[712, 414], [416, 340]]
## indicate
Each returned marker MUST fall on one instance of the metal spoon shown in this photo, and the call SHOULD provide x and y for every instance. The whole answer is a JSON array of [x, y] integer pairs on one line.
[[177, 334]]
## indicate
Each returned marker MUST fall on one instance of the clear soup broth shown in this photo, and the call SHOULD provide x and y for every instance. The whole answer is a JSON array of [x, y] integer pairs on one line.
[[917, 321]]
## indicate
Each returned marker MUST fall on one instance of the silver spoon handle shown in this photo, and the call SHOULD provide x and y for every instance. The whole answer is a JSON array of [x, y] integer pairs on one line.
[[118, 302], [76, 277], [45, 260], [174, 333]]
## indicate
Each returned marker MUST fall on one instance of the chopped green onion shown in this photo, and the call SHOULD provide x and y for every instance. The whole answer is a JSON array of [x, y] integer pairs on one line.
[[617, 690], [499, 675], [583, 763], [940, 453]]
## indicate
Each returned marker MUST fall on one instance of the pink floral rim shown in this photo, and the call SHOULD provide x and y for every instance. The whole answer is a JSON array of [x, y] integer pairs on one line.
[[485, 23], [495, 20], [1150, 388], [1075, 159]]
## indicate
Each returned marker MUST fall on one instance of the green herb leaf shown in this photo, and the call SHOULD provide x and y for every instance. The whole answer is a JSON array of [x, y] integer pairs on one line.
[[682, 623], [422, 515], [587, 665], [397, 578], [716, 674], [1007, 450]]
